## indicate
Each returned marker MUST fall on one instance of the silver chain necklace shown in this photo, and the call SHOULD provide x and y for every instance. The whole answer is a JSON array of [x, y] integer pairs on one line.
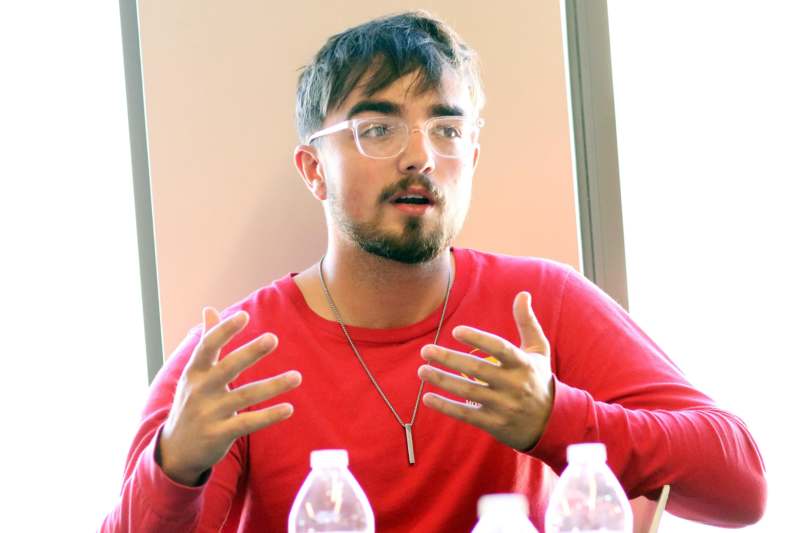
[[406, 426]]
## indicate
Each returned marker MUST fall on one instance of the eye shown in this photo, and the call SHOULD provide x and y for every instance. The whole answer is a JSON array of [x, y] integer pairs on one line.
[[375, 130], [447, 131]]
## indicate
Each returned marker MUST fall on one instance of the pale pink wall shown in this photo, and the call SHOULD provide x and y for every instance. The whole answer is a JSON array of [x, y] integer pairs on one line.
[[230, 212]]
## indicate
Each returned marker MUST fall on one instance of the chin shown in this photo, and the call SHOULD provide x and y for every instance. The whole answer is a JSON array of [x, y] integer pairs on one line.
[[410, 253], [411, 240], [412, 246]]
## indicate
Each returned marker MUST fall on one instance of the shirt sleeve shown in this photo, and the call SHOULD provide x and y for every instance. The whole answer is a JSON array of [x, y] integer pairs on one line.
[[614, 385], [152, 502]]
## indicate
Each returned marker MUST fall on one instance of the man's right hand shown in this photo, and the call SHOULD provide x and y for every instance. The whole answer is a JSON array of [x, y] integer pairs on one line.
[[203, 421]]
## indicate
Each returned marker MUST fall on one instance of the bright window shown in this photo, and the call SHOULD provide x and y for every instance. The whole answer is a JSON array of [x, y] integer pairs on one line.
[[74, 376], [706, 97]]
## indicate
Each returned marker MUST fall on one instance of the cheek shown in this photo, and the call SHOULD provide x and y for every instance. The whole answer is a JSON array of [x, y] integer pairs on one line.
[[465, 187], [464, 197], [357, 190], [357, 203], [462, 188]]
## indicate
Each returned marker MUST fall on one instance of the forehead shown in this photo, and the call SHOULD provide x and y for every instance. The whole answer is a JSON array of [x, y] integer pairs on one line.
[[452, 93]]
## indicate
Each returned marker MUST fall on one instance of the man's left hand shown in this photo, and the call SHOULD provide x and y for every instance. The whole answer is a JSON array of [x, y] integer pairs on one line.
[[511, 399]]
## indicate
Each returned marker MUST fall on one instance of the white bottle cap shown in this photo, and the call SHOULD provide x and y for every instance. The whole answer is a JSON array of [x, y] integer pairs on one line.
[[503, 503], [588, 452], [329, 458]]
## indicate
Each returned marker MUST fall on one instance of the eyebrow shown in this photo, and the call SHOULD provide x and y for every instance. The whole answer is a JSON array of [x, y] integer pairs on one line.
[[385, 107], [380, 106], [444, 110]]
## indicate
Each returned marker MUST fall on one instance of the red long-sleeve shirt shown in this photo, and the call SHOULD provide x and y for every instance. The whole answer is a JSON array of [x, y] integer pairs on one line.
[[613, 385]]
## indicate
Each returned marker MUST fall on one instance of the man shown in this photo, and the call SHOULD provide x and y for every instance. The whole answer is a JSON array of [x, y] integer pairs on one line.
[[446, 373]]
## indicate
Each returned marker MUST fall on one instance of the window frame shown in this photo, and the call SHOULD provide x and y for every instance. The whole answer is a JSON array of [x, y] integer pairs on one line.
[[599, 202]]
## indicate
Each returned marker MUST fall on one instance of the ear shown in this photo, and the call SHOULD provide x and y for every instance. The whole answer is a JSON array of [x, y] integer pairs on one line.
[[309, 166], [475, 156]]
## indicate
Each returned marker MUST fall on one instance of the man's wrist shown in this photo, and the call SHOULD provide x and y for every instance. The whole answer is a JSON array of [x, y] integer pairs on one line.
[[186, 477], [177, 473]]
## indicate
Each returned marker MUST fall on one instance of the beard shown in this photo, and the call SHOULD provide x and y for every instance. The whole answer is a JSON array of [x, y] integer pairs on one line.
[[413, 245]]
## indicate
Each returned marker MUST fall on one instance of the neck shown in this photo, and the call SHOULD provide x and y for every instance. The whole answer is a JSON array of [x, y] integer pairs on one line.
[[373, 292]]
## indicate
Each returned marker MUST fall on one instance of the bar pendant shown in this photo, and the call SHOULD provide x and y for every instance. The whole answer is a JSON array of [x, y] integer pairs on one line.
[[409, 443]]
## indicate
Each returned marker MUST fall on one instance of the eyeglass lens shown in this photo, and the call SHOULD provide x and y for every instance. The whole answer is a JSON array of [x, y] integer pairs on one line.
[[387, 136]]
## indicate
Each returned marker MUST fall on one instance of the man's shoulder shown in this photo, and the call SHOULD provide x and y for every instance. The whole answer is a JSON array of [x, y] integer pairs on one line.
[[494, 263], [279, 292]]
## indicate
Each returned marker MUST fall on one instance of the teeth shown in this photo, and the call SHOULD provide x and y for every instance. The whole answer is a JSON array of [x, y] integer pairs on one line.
[[412, 199]]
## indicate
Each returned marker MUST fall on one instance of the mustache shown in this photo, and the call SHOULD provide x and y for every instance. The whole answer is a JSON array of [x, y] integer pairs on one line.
[[410, 181]]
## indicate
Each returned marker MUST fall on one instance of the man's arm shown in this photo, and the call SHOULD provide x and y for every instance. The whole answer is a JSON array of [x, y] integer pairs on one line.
[[613, 385], [192, 423], [149, 499]]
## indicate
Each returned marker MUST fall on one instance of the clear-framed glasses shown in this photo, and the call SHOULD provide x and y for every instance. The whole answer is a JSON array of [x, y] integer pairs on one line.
[[386, 136]]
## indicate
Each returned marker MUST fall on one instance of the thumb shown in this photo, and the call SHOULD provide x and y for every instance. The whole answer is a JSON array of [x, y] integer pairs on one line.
[[531, 336]]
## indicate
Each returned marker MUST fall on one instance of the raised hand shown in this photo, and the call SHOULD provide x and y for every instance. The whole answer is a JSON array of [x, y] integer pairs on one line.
[[204, 421], [512, 399]]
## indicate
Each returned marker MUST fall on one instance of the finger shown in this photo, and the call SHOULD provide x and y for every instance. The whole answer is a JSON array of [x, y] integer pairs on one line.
[[207, 350], [462, 387], [251, 421], [210, 318], [491, 344], [259, 391], [243, 357], [467, 364], [458, 410], [532, 338]]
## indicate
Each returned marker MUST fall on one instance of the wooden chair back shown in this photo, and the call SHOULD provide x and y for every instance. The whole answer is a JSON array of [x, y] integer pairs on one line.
[[647, 513]]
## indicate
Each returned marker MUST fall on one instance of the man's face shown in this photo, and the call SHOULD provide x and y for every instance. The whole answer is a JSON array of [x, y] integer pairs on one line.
[[368, 200]]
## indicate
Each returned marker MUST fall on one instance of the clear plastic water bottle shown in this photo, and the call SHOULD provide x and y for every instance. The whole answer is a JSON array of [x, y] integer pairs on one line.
[[503, 513], [588, 497], [330, 498]]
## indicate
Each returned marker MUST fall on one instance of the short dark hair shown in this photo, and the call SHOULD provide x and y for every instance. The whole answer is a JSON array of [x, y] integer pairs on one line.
[[389, 48]]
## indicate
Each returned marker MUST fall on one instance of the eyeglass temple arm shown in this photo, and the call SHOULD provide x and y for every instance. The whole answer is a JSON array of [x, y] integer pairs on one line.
[[327, 131]]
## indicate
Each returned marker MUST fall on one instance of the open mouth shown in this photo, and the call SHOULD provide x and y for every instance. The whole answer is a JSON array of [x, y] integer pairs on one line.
[[412, 204], [413, 196], [412, 199]]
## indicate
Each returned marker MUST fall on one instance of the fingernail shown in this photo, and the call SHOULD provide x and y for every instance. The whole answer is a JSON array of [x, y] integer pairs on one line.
[[429, 350], [266, 340]]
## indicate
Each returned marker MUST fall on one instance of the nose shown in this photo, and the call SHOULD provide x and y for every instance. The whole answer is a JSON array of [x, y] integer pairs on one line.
[[418, 157]]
